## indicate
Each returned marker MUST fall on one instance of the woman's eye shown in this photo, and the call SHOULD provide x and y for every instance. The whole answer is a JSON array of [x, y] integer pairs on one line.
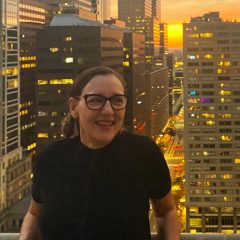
[[95, 100]]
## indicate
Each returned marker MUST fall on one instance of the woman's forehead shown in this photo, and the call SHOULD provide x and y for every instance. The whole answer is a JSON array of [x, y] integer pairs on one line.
[[104, 83]]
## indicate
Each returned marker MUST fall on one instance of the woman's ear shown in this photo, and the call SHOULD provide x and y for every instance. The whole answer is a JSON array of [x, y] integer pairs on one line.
[[72, 103]]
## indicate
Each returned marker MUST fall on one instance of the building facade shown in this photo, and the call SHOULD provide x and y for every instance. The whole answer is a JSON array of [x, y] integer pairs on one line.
[[14, 166], [105, 9], [75, 4], [139, 17], [33, 16], [73, 44], [137, 115], [212, 126]]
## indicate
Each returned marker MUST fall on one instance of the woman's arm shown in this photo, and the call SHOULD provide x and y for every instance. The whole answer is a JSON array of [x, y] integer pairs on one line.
[[30, 228], [166, 218]]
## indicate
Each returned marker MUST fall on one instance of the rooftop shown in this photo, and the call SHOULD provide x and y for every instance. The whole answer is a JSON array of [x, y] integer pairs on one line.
[[72, 20], [184, 236]]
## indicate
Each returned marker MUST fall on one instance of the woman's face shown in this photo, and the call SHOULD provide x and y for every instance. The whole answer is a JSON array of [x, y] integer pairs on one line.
[[99, 127]]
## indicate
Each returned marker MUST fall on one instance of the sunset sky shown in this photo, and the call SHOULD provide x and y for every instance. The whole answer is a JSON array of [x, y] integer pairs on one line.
[[175, 12]]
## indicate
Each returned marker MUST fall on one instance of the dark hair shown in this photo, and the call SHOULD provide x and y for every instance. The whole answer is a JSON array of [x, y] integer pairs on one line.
[[70, 126]]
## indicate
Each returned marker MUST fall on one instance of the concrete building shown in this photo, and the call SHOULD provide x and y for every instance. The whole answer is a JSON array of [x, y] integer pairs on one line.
[[159, 101], [105, 9], [139, 17], [137, 116], [212, 126], [75, 4], [156, 9], [72, 45], [143, 17], [14, 167], [34, 15]]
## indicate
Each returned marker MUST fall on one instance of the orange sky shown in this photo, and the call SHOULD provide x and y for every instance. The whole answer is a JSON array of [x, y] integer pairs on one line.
[[175, 12]]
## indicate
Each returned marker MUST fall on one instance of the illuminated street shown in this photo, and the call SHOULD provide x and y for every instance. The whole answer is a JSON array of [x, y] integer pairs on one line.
[[173, 149]]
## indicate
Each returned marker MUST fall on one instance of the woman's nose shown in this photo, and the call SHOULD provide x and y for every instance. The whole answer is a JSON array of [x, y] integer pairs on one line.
[[107, 107]]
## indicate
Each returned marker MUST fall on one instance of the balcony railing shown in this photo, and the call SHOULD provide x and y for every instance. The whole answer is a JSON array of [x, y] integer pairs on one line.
[[184, 236]]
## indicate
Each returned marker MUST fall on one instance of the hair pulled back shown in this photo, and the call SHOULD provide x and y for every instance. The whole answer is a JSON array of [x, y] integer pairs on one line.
[[69, 125]]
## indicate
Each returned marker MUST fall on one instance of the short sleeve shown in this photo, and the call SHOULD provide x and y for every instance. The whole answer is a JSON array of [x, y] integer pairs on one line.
[[157, 175], [36, 195]]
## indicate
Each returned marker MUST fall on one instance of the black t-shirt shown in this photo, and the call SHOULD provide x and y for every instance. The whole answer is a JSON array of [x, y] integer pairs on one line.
[[100, 194]]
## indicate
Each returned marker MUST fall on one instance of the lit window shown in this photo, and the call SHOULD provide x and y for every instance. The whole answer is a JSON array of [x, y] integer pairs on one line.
[[192, 93], [224, 63], [208, 56], [193, 100], [193, 35], [42, 114], [225, 138], [42, 135], [68, 60], [12, 83], [206, 35], [54, 114], [224, 92], [207, 100], [126, 64], [192, 57], [31, 146], [52, 124], [68, 38], [237, 160], [42, 82], [54, 49], [227, 176], [9, 71], [207, 115], [61, 81], [225, 115]]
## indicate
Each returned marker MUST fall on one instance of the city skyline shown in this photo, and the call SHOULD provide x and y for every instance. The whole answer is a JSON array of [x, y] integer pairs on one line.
[[229, 10]]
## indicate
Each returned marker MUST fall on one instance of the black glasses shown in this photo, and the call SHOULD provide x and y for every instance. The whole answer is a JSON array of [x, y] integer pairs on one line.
[[97, 101]]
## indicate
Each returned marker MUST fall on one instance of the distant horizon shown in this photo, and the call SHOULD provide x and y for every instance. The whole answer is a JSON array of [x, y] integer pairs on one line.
[[176, 13]]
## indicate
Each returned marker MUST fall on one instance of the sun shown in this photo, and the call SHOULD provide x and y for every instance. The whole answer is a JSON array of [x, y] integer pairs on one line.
[[175, 33]]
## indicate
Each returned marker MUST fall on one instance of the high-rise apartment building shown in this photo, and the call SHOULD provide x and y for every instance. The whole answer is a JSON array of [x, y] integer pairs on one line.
[[105, 9], [137, 115], [156, 8], [33, 16], [139, 16], [14, 167], [212, 124], [143, 17], [76, 4]]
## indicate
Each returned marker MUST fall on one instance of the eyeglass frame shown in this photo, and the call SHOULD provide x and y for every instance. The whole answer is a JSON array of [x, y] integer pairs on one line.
[[105, 100]]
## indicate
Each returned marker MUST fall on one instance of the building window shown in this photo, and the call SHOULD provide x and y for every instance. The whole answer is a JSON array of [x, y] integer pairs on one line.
[[68, 38], [68, 60], [42, 135], [54, 49]]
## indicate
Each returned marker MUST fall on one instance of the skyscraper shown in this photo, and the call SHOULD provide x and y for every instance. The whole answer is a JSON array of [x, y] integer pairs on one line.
[[73, 44], [14, 169], [33, 16], [212, 125], [139, 16], [105, 9], [76, 4], [156, 8], [143, 17]]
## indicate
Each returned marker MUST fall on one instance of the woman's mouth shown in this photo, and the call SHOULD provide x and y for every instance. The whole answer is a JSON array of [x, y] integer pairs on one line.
[[105, 123]]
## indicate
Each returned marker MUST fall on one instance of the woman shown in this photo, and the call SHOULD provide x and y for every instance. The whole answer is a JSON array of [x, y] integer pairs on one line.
[[96, 183]]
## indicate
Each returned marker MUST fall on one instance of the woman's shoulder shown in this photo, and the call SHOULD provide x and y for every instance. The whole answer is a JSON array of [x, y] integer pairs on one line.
[[136, 139], [57, 148]]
